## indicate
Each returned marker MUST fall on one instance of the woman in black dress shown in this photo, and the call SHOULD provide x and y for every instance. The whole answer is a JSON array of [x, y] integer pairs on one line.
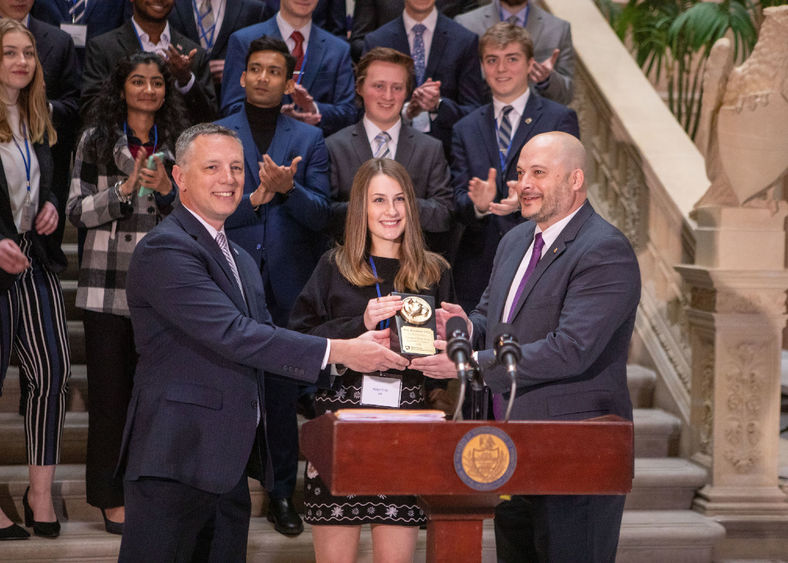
[[348, 294]]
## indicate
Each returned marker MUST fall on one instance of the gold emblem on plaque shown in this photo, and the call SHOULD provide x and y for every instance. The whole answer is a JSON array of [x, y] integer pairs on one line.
[[415, 310], [485, 458]]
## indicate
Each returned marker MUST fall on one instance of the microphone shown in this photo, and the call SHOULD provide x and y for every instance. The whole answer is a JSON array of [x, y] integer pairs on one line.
[[507, 349], [508, 353], [458, 346]]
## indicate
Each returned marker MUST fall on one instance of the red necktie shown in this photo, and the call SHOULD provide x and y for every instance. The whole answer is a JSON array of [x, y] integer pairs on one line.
[[298, 50]]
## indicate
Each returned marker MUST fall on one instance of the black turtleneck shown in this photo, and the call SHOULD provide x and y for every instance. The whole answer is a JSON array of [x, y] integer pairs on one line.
[[262, 122]]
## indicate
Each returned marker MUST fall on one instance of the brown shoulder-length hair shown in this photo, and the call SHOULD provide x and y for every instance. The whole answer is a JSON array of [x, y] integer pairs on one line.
[[32, 101], [419, 268]]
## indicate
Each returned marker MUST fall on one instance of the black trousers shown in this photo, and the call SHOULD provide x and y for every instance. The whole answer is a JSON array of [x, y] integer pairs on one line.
[[111, 359], [171, 522], [558, 528], [282, 434]]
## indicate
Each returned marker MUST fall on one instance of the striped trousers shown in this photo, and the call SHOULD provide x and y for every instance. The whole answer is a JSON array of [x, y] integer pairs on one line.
[[33, 322]]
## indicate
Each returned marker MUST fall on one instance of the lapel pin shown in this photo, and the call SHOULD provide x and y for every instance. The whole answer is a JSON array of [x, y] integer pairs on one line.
[[528, 120], [555, 250]]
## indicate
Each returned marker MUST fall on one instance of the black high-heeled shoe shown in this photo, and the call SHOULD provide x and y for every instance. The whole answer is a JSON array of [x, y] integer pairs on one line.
[[43, 529], [111, 526], [13, 532]]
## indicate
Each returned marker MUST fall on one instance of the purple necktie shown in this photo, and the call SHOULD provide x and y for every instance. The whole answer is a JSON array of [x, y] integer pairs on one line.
[[535, 255]]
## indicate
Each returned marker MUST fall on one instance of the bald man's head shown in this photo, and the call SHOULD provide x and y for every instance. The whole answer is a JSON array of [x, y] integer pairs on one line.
[[551, 177]]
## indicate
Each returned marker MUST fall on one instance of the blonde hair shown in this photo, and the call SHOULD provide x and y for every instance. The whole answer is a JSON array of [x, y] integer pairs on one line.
[[32, 101], [419, 268]]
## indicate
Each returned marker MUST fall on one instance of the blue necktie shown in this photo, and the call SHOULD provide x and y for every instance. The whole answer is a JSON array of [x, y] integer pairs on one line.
[[505, 131], [418, 52]]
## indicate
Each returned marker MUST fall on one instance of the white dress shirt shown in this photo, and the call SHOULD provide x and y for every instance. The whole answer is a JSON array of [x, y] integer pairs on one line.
[[14, 168], [429, 22]]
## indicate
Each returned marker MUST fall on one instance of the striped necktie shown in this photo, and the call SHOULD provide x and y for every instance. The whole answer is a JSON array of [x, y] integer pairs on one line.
[[382, 151], [77, 10], [221, 240], [505, 131], [207, 23]]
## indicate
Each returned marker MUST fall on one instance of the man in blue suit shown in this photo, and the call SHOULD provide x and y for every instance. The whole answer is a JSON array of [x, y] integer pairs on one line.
[[322, 93], [445, 55], [568, 284], [279, 221], [485, 152], [205, 338], [212, 29]]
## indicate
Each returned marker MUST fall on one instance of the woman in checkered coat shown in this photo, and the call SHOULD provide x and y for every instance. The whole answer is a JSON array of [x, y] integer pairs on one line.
[[120, 189]]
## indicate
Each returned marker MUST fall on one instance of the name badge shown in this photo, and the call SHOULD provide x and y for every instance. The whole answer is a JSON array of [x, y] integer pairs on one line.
[[28, 216], [381, 391], [77, 31]]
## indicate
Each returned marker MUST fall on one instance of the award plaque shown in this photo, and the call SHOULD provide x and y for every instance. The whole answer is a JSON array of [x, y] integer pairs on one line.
[[415, 330]]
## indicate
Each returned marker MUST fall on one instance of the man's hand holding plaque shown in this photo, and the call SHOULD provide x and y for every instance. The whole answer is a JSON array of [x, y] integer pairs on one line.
[[415, 326]]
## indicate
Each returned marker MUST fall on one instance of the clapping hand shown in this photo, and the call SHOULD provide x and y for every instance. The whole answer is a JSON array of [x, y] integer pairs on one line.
[[541, 71]]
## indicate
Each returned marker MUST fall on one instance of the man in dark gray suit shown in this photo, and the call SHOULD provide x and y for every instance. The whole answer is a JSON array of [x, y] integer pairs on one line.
[[204, 338], [554, 67], [384, 80], [569, 285]]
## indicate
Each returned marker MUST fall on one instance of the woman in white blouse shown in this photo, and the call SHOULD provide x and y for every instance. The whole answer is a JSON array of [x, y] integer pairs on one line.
[[32, 313]]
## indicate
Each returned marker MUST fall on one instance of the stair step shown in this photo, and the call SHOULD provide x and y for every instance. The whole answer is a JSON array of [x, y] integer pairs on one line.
[[12, 442], [77, 395], [664, 483], [656, 536], [640, 381], [657, 433], [70, 250], [646, 537], [76, 339], [73, 313]]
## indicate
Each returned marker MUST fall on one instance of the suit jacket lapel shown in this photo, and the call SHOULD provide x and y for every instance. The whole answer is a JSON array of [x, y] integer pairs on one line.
[[360, 143], [231, 12], [280, 144], [553, 252], [129, 41], [405, 145], [439, 40], [183, 8], [488, 134], [531, 115], [314, 58], [6, 217], [88, 10], [534, 24], [43, 45], [508, 271], [240, 124], [399, 39], [197, 231]]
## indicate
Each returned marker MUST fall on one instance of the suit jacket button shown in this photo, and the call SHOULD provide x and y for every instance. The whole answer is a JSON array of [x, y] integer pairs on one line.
[[151, 210], [128, 238], [254, 404]]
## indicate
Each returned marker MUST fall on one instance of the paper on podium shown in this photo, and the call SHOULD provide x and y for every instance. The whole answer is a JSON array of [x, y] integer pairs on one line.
[[391, 415]]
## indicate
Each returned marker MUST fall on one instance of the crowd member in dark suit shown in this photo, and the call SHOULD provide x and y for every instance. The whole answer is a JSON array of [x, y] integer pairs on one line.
[[211, 22], [32, 312], [148, 30], [553, 68], [137, 114], [368, 15], [279, 223], [485, 151], [330, 15], [323, 91], [568, 283], [205, 338], [61, 76], [82, 20], [348, 294], [445, 55], [384, 79]]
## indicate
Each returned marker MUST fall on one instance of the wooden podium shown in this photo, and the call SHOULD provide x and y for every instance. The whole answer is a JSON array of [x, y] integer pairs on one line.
[[459, 469]]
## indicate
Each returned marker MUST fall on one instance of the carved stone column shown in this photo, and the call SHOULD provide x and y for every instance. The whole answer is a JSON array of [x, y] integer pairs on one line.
[[736, 315]]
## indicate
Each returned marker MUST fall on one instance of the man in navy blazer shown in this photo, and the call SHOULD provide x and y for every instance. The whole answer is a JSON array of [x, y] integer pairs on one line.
[[99, 16], [568, 284], [323, 92], [450, 85], [205, 338], [481, 168], [234, 16], [279, 221]]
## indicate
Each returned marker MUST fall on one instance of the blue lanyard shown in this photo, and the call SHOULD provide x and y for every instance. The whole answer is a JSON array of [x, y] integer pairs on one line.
[[385, 323], [208, 40], [155, 135], [27, 160]]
